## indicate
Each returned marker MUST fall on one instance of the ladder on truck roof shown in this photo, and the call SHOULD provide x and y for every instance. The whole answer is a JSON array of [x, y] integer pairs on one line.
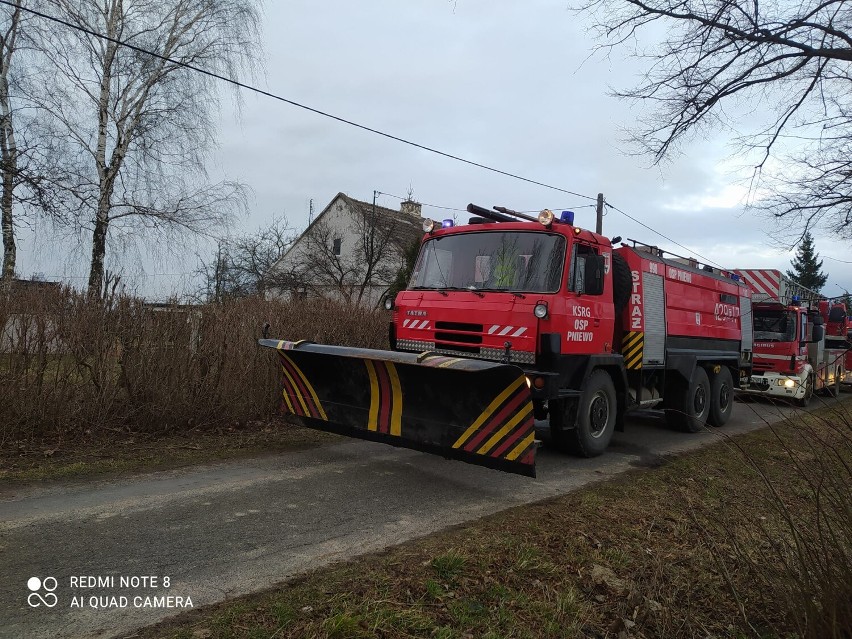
[[771, 285]]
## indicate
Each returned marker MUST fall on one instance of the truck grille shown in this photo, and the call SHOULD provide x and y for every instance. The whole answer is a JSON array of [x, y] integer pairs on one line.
[[458, 326], [458, 332], [492, 354]]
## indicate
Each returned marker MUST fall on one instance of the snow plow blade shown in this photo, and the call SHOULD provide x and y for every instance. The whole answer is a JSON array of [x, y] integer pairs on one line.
[[474, 411]]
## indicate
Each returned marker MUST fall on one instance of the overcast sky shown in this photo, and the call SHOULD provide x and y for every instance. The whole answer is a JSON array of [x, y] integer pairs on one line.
[[507, 84]]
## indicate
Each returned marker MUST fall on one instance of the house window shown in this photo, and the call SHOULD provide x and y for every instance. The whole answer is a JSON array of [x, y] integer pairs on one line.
[[336, 247]]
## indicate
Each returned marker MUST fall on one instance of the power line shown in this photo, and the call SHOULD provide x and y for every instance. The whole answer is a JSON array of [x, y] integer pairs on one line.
[[665, 237], [268, 94], [451, 208], [363, 127]]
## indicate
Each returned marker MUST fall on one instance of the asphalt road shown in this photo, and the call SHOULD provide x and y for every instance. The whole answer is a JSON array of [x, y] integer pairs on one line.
[[224, 530]]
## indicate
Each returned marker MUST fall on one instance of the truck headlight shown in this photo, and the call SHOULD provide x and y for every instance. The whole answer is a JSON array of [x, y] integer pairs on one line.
[[540, 310]]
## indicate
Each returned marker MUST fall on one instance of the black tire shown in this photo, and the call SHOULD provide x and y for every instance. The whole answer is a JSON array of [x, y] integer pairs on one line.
[[809, 392], [585, 427], [689, 407], [622, 283], [721, 397]]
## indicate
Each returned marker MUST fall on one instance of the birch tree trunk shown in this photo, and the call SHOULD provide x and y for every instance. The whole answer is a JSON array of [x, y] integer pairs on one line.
[[141, 125], [8, 148]]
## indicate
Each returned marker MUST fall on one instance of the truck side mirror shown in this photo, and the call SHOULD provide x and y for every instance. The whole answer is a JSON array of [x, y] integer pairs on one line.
[[817, 333], [594, 275]]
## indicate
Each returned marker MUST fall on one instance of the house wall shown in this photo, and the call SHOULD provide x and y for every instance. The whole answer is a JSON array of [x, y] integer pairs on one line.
[[341, 220]]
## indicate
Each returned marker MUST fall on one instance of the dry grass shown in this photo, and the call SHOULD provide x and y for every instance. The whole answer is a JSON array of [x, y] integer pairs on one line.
[[738, 540], [74, 369], [123, 453]]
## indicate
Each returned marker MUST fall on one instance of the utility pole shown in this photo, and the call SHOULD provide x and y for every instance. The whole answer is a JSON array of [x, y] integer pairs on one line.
[[600, 212]]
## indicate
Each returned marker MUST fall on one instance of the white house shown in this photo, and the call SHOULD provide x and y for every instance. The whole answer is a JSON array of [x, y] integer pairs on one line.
[[352, 251]]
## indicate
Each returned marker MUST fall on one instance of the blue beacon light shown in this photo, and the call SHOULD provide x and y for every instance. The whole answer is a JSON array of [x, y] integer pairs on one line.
[[446, 224], [567, 217]]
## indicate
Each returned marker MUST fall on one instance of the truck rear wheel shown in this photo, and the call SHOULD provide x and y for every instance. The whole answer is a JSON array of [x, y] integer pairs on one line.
[[585, 427], [721, 397], [688, 406]]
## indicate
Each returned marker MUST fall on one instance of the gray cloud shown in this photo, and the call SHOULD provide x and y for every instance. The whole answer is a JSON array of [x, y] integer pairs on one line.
[[502, 83]]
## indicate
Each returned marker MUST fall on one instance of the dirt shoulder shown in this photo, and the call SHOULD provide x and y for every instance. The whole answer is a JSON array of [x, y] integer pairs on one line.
[[705, 545], [92, 457]]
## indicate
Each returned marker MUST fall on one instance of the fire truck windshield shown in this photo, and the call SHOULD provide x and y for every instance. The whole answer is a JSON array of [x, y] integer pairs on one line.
[[774, 325], [492, 260]]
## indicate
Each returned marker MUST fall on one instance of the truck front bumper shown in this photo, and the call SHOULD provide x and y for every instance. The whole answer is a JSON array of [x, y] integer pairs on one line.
[[774, 385]]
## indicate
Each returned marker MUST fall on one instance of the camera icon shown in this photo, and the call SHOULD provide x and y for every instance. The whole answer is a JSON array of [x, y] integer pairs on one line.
[[41, 592]]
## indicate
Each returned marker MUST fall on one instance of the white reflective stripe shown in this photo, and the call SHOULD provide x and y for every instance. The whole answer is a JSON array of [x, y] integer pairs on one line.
[[519, 332], [493, 328], [424, 324], [764, 284], [405, 323], [762, 356], [505, 330]]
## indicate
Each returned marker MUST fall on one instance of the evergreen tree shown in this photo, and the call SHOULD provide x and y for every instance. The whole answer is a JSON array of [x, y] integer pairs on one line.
[[807, 267]]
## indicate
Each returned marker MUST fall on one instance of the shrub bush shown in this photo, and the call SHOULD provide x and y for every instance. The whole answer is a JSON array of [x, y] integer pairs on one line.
[[72, 365]]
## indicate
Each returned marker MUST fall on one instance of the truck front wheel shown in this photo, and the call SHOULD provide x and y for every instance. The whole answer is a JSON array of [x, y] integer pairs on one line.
[[585, 427], [809, 392], [689, 404]]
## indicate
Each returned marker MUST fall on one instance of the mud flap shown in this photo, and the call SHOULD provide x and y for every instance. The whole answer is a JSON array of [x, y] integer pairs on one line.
[[477, 412]]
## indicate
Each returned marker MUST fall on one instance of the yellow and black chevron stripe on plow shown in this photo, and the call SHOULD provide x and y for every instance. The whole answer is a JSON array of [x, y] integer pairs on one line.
[[440, 361], [385, 414], [632, 348], [299, 395], [505, 427]]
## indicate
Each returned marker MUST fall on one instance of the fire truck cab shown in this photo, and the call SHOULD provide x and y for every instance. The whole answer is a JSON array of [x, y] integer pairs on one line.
[[793, 358]]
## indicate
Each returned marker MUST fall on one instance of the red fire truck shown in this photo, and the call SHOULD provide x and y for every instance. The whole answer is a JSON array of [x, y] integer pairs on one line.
[[511, 318], [794, 355]]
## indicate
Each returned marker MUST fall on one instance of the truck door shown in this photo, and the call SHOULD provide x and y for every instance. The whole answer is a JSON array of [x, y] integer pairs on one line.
[[587, 327]]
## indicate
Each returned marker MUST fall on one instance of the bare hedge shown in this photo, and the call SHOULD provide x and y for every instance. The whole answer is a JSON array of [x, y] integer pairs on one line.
[[71, 365]]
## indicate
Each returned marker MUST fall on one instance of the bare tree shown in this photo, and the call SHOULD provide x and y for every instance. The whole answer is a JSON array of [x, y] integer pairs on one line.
[[791, 59], [27, 154], [357, 272], [8, 147], [140, 126], [243, 265]]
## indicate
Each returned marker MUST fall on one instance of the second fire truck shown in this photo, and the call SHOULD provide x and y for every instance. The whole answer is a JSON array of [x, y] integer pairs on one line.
[[799, 339]]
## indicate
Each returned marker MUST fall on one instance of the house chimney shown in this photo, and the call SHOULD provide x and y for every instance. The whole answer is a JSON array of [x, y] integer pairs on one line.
[[409, 207]]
